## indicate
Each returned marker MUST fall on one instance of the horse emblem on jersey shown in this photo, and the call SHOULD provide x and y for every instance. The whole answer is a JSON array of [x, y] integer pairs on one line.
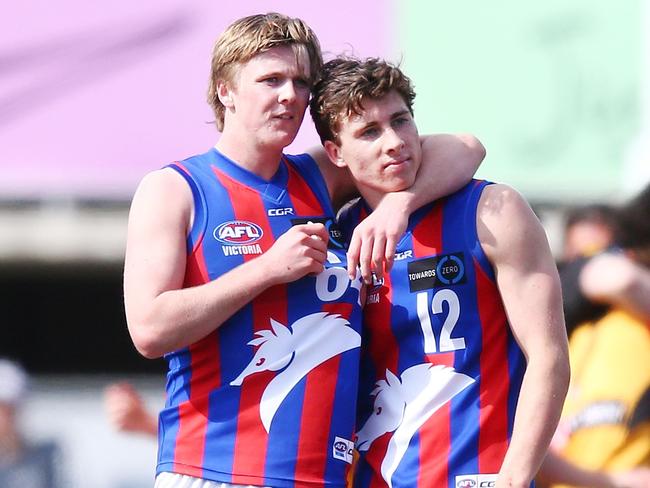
[[294, 352], [402, 405]]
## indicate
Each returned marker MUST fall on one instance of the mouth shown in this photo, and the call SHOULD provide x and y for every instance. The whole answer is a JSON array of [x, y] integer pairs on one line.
[[284, 116], [395, 163]]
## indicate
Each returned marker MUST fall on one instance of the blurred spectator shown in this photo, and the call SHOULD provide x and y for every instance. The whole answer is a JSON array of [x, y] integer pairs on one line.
[[604, 434], [23, 464], [588, 230], [127, 411]]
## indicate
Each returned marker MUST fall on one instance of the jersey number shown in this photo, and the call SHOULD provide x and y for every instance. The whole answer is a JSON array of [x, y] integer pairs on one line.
[[447, 343]]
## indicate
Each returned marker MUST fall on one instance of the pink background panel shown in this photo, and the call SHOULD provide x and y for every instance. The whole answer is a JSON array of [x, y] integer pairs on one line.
[[95, 94]]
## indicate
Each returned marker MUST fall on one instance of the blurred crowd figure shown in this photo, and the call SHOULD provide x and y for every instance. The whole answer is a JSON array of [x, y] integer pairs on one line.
[[23, 463], [604, 436], [588, 230], [126, 410]]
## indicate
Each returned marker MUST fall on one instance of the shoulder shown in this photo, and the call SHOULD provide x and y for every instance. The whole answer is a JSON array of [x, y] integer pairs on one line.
[[161, 195], [506, 223]]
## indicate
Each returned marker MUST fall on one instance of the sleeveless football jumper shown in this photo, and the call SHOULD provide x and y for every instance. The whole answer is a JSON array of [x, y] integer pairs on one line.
[[269, 397], [441, 371]]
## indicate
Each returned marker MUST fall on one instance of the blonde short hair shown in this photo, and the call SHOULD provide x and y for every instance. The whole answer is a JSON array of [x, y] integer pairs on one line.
[[252, 35]]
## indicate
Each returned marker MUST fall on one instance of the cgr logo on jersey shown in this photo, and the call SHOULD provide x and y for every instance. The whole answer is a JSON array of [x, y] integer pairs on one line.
[[444, 270], [403, 255], [279, 212], [241, 236]]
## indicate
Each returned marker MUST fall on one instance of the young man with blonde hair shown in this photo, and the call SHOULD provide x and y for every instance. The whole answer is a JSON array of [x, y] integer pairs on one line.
[[233, 273], [464, 357]]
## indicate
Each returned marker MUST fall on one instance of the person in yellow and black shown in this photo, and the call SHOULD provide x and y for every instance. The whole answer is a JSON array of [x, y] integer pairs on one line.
[[604, 435]]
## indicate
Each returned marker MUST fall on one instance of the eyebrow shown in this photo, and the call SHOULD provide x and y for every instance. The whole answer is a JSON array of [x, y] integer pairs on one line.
[[373, 123]]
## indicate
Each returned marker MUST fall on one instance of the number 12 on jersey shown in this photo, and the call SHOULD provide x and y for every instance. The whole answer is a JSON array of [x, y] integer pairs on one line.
[[447, 343]]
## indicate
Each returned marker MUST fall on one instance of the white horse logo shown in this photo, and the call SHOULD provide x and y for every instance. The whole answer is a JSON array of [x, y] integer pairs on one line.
[[312, 340], [403, 405]]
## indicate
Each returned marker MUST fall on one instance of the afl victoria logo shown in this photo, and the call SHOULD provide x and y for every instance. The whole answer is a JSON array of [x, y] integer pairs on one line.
[[238, 232]]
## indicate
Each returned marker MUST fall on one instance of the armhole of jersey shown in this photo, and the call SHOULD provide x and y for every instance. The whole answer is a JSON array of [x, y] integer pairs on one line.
[[471, 215], [309, 170], [197, 231]]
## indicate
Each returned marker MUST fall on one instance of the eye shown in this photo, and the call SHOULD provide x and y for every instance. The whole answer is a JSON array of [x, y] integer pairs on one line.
[[271, 80], [260, 362], [378, 411], [400, 121], [370, 133]]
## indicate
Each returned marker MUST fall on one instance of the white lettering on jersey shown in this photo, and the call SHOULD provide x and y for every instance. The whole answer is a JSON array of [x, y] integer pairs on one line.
[[241, 250], [279, 212], [296, 351], [447, 343], [404, 404]]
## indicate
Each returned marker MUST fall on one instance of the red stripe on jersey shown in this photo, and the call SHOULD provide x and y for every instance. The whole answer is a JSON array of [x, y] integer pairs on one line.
[[248, 205], [190, 443], [317, 411], [435, 433], [495, 378], [375, 457], [427, 234], [303, 198], [377, 315]]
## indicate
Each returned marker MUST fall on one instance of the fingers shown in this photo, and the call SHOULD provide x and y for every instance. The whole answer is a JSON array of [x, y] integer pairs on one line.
[[389, 254], [317, 229], [353, 254], [365, 255], [378, 255]]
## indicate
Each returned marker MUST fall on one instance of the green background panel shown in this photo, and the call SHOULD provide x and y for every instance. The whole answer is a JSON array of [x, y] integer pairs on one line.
[[551, 88]]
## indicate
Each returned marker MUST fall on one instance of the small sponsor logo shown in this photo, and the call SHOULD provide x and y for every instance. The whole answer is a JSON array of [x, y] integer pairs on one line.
[[476, 481], [335, 234], [465, 481], [444, 270], [279, 212], [238, 232], [343, 449], [399, 256]]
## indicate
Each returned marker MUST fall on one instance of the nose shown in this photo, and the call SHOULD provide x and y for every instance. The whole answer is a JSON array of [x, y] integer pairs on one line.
[[287, 92], [394, 142]]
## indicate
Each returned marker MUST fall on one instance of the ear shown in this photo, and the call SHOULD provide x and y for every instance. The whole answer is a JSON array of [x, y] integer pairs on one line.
[[334, 153], [224, 92]]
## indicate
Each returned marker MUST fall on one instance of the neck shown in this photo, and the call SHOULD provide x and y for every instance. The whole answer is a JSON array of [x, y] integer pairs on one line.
[[261, 160], [371, 197]]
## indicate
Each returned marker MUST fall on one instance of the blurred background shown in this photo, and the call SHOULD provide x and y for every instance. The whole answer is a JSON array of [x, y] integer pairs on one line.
[[94, 94]]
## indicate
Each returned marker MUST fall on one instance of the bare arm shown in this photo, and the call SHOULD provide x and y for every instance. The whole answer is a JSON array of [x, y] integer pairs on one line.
[[163, 316], [515, 243], [615, 279], [448, 162]]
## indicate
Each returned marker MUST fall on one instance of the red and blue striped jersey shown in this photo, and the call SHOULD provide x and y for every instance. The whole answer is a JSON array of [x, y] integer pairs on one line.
[[269, 397], [440, 369]]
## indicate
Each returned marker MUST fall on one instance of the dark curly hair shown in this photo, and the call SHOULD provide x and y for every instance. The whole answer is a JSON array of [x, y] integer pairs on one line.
[[343, 85]]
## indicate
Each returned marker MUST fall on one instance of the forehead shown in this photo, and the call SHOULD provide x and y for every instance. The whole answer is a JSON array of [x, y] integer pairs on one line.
[[288, 60], [376, 110]]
